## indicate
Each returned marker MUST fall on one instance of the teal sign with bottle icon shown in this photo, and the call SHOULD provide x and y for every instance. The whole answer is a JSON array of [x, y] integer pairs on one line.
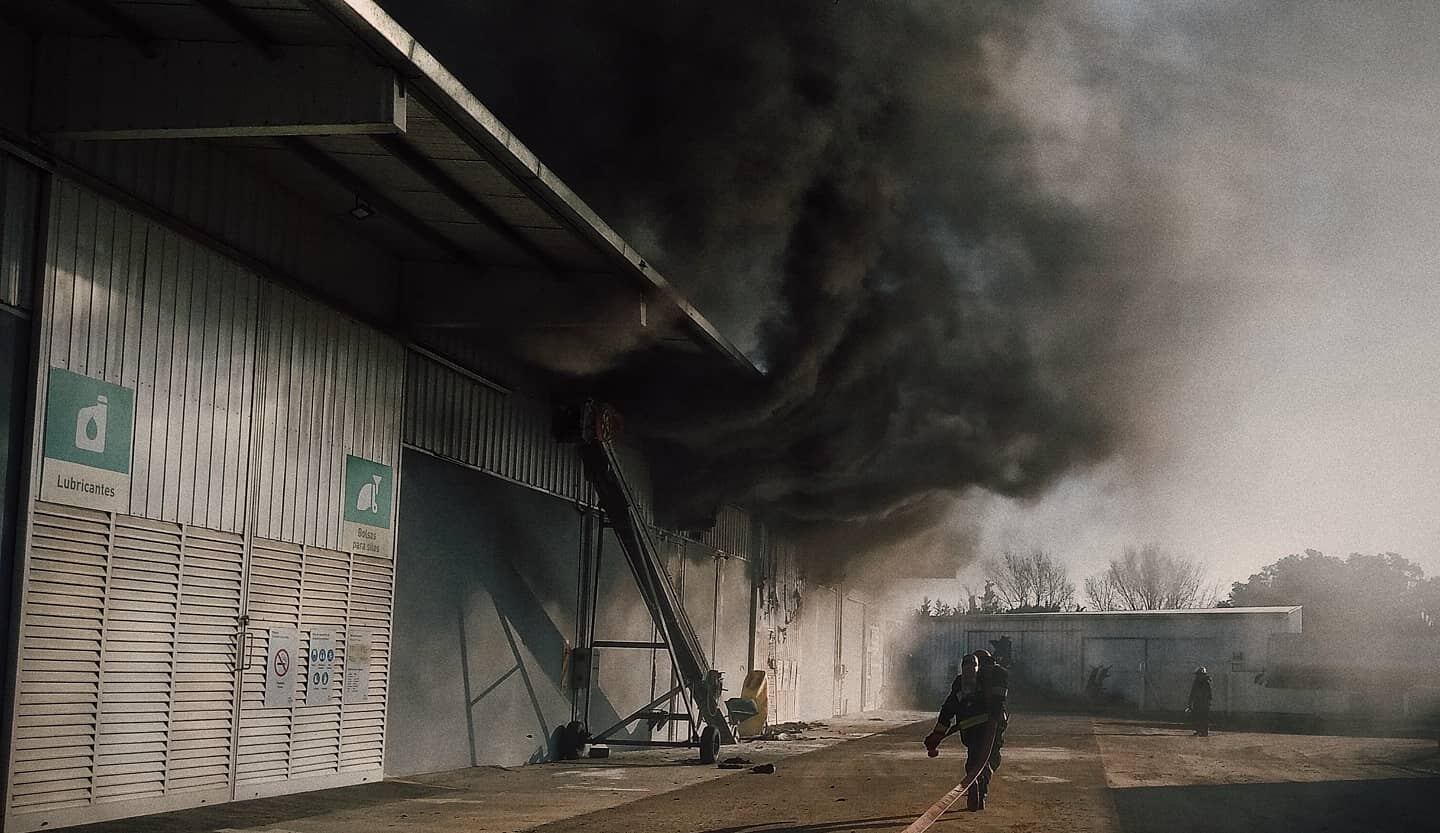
[[89, 433], [369, 499]]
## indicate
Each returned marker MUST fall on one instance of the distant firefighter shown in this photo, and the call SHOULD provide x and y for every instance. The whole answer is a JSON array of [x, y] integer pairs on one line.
[[976, 710], [1199, 703]]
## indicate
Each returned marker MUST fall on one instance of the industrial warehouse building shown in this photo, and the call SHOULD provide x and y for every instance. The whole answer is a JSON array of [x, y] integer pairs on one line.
[[1142, 660], [282, 503]]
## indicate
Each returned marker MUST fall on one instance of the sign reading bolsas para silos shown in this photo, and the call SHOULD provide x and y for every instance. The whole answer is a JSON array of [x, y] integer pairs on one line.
[[365, 514], [89, 430]]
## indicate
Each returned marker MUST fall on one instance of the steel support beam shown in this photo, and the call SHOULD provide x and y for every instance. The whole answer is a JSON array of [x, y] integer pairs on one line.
[[95, 88], [242, 25], [636, 715]]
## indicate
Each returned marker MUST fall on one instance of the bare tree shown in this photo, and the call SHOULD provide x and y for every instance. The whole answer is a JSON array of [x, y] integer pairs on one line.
[[1149, 578], [1100, 592], [1032, 581]]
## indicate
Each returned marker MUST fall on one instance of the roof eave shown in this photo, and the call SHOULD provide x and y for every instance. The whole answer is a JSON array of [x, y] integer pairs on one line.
[[413, 61]]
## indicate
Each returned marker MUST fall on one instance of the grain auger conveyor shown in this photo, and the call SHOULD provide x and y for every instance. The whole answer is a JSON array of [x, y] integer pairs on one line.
[[595, 427]]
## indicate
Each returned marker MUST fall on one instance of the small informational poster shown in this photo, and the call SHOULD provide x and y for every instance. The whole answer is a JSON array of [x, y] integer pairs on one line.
[[280, 664], [319, 679], [369, 498], [89, 429], [357, 665]]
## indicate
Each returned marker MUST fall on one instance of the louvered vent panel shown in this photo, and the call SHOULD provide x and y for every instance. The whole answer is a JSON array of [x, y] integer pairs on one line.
[[138, 660], [325, 585], [372, 588], [202, 722], [58, 687], [274, 601]]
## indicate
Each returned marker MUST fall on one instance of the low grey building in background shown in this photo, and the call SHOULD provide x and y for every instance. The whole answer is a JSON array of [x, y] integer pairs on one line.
[[1143, 660]]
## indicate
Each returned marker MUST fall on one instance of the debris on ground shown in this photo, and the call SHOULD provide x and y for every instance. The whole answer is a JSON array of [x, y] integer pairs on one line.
[[763, 769], [736, 762], [794, 730]]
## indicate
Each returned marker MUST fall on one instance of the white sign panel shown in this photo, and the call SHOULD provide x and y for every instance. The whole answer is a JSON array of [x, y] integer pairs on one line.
[[357, 665], [320, 670], [280, 663]]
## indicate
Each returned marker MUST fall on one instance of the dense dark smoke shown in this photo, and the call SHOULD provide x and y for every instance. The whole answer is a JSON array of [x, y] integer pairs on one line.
[[841, 187]]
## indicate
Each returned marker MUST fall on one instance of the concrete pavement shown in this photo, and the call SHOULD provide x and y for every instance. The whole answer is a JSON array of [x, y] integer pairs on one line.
[[1068, 773]]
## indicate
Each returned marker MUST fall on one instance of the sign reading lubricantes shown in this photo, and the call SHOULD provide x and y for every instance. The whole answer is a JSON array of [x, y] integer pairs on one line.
[[280, 668], [89, 429]]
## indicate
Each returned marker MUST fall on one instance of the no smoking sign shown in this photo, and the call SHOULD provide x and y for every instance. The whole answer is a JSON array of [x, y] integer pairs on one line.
[[280, 668]]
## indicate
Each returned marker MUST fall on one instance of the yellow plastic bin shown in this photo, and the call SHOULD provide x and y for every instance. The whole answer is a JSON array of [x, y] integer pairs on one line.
[[756, 688]]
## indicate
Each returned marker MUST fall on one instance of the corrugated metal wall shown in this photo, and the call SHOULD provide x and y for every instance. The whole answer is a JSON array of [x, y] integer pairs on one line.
[[328, 387], [137, 305], [1053, 654], [19, 191], [731, 534], [457, 417], [201, 184], [460, 418], [132, 302], [312, 589]]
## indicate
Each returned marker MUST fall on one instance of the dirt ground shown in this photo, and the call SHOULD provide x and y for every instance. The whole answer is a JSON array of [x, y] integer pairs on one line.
[[1060, 773]]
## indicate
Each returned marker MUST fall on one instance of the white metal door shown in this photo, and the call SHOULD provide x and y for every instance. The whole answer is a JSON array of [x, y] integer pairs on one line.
[[874, 671], [313, 746], [126, 690], [852, 655]]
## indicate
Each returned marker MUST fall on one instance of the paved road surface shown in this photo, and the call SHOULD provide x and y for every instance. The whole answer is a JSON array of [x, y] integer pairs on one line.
[[1061, 773], [1070, 774]]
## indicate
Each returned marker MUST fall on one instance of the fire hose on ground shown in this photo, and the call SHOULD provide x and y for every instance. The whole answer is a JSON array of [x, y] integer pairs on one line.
[[939, 808]]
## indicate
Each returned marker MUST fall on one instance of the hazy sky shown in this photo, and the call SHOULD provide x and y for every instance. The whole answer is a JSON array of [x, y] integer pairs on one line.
[[1298, 406]]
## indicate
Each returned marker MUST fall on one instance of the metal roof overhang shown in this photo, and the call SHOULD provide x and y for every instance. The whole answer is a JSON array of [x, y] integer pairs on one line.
[[494, 246]]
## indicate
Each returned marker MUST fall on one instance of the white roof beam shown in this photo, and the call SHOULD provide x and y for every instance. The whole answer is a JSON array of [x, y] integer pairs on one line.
[[99, 88]]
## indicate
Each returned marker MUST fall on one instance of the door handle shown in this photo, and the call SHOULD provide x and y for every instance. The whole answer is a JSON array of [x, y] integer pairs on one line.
[[249, 645], [243, 642]]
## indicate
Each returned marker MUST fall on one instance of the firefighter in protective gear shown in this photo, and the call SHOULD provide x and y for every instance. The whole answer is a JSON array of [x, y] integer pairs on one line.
[[976, 710], [1199, 703]]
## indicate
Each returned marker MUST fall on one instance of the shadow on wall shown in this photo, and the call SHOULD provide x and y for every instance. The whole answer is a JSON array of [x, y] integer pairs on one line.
[[485, 596], [1393, 805]]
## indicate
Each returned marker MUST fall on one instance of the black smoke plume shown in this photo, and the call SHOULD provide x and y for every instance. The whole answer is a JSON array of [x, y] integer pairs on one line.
[[839, 185]]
